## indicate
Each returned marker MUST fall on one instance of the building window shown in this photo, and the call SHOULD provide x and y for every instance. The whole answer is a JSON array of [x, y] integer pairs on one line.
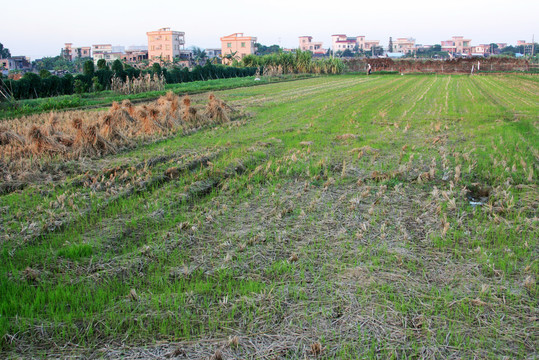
[[242, 44], [229, 45]]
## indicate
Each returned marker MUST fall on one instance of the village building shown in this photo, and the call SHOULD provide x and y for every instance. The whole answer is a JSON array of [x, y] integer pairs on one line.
[[404, 45], [135, 56], [341, 42], [306, 43], [457, 45], [481, 50], [109, 57], [71, 53], [165, 44], [237, 46]]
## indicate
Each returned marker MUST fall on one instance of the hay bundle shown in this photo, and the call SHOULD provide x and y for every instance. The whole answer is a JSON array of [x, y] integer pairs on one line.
[[217, 110], [52, 131], [109, 128], [8, 137], [41, 143], [188, 113], [148, 119], [163, 100], [99, 143], [121, 116], [52, 124], [115, 106], [128, 106], [89, 142]]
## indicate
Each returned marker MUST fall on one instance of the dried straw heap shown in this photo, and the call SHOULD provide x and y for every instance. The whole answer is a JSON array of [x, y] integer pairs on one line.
[[76, 134]]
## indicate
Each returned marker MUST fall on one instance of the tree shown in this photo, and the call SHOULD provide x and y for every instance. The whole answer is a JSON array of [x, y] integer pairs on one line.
[[199, 54], [57, 63], [231, 57], [156, 68], [88, 68], [265, 50], [101, 64], [117, 66], [436, 47], [390, 46], [4, 52], [347, 53], [43, 73]]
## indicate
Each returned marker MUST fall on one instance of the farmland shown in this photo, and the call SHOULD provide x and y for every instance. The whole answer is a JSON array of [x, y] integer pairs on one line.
[[342, 216]]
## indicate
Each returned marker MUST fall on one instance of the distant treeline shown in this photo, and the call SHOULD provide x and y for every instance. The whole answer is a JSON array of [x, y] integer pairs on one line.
[[32, 86]]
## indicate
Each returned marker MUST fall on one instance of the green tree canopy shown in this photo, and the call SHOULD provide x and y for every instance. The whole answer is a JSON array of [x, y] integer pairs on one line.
[[4, 52], [117, 66], [44, 73], [265, 50], [101, 64], [156, 68], [88, 68]]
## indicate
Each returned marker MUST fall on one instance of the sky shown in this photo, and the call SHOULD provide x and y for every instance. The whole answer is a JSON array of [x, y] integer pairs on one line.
[[40, 28]]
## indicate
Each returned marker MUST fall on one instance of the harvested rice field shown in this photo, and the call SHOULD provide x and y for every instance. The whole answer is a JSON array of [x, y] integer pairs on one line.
[[332, 217]]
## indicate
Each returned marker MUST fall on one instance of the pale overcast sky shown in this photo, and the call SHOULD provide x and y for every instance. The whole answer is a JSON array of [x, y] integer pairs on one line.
[[38, 28]]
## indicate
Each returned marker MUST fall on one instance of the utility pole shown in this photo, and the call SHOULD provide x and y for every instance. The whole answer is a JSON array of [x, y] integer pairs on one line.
[[533, 45]]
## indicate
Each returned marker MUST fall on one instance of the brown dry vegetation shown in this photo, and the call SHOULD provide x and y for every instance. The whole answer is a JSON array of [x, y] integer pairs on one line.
[[438, 66], [75, 135]]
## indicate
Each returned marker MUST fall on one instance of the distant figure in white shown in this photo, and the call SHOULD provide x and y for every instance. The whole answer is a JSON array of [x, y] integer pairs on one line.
[[369, 69]]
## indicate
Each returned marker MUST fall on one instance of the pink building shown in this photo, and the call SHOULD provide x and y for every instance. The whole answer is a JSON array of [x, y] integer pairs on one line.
[[165, 44], [404, 45], [135, 56], [15, 63], [481, 50], [457, 45], [341, 42], [306, 43], [237, 46], [109, 57], [70, 53]]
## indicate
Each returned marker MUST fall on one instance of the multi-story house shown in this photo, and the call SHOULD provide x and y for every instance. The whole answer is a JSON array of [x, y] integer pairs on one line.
[[306, 43], [457, 46], [341, 42], [404, 45], [101, 48], [70, 53], [481, 50], [212, 53], [237, 46], [165, 44], [134, 56], [109, 57], [16, 63]]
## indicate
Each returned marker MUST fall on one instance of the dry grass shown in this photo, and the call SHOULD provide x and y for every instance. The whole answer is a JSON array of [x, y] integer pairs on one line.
[[140, 84], [74, 135]]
